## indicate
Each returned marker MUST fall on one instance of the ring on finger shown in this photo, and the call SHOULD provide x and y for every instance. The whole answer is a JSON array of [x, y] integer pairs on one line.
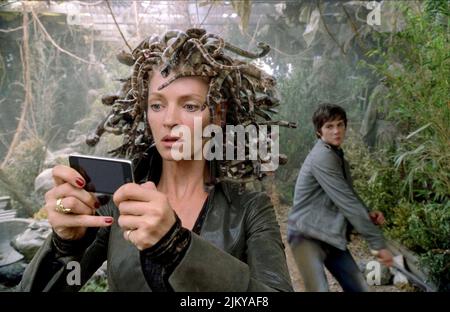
[[60, 207], [128, 234]]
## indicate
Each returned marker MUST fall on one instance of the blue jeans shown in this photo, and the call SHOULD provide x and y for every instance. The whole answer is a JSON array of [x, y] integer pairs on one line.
[[312, 255]]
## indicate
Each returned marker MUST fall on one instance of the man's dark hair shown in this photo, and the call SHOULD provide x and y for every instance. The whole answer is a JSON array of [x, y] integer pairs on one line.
[[327, 112]]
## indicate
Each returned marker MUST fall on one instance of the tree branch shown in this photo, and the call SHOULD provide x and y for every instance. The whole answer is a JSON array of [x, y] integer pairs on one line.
[[254, 33], [328, 30], [117, 25], [355, 29], [207, 14], [54, 43], [12, 29]]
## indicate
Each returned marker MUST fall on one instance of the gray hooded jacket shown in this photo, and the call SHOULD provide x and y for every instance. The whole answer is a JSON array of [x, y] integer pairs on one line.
[[325, 202]]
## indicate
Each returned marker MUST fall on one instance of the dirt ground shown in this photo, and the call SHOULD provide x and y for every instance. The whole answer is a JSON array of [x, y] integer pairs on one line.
[[357, 247]]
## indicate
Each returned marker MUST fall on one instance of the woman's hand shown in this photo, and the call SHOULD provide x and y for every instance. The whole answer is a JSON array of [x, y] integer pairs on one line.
[[377, 217], [68, 192], [145, 213]]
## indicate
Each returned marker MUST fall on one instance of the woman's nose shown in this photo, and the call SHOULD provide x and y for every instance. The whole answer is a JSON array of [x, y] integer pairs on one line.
[[170, 117]]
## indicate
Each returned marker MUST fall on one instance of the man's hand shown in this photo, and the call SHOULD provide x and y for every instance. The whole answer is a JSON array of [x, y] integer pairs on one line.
[[384, 256], [377, 217]]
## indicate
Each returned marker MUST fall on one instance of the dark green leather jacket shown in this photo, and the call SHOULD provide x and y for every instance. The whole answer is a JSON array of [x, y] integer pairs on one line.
[[239, 249]]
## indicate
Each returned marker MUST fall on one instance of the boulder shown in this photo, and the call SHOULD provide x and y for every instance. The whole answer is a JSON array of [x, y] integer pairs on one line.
[[28, 242], [44, 181], [52, 157], [8, 230], [400, 279]]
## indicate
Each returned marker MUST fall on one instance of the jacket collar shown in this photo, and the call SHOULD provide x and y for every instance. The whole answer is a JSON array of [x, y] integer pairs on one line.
[[338, 150], [226, 189]]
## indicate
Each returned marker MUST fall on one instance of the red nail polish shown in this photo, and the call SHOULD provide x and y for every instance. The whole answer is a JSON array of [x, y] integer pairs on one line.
[[109, 220], [79, 182], [97, 205]]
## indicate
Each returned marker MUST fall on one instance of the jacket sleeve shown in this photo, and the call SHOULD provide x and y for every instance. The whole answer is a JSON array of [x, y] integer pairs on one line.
[[52, 269], [208, 268], [328, 173]]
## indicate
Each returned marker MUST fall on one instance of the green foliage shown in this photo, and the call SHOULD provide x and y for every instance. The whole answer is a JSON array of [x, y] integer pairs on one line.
[[434, 8], [96, 284], [420, 100], [374, 177], [412, 184], [423, 227], [439, 263], [424, 166]]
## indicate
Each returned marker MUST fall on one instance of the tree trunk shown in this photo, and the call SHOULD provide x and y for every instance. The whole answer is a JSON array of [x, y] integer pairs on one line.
[[12, 188], [27, 84]]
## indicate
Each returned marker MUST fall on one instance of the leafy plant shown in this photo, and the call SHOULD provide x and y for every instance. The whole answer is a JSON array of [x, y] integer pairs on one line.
[[96, 284], [412, 183]]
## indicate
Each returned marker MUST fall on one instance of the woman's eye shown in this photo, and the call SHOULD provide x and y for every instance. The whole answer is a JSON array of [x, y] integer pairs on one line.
[[155, 107], [191, 107]]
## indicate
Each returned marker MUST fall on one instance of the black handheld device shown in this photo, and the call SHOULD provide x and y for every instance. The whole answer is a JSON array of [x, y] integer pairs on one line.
[[102, 175]]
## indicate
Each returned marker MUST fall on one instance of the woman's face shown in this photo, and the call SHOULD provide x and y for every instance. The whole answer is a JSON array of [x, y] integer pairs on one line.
[[177, 106]]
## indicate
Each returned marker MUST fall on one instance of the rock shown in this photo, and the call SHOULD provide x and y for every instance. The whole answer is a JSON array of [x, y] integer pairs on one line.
[[28, 242], [101, 272], [8, 230], [5, 202], [52, 157], [400, 280], [91, 96], [44, 181], [386, 276]]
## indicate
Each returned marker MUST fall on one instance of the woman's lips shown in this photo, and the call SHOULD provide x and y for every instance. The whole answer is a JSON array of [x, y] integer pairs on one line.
[[168, 140]]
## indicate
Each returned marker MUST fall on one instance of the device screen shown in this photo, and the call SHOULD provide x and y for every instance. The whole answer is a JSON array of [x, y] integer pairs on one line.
[[102, 176]]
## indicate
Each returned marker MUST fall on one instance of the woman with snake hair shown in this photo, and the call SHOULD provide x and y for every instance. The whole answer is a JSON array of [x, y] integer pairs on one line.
[[186, 224]]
